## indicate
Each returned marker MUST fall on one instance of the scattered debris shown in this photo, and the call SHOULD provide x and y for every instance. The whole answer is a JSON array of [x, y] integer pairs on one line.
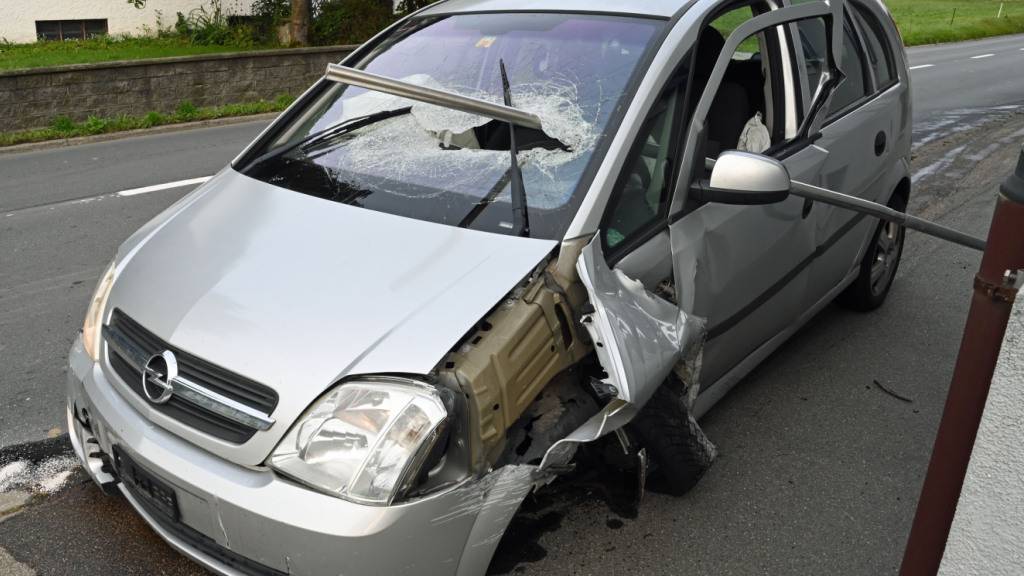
[[892, 393], [45, 477]]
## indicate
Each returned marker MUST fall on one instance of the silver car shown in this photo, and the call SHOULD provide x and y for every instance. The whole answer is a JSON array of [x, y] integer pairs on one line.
[[500, 236]]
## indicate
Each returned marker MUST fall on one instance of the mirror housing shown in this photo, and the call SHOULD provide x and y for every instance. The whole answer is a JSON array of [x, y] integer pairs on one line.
[[745, 179]]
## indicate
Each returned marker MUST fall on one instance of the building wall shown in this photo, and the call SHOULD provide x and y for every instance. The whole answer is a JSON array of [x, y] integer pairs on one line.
[[33, 98], [18, 23], [987, 536]]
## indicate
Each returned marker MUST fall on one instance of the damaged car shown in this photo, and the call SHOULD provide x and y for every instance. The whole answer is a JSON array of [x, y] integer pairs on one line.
[[497, 235]]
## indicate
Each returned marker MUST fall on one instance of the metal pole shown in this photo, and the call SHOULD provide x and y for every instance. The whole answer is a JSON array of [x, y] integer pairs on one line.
[[882, 212], [826, 196], [378, 83], [995, 288]]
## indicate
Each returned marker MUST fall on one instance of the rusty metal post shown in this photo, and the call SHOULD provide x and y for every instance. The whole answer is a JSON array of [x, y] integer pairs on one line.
[[995, 288]]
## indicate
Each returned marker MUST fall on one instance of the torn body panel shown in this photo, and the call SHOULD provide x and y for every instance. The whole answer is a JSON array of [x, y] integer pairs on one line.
[[638, 336]]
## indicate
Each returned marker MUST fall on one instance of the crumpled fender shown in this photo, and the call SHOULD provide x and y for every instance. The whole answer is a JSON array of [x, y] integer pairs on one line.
[[638, 337]]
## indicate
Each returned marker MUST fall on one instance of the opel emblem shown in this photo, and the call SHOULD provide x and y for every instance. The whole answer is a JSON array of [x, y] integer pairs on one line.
[[160, 370]]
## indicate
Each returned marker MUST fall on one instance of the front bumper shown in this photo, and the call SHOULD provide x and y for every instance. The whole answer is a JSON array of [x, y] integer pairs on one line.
[[241, 520]]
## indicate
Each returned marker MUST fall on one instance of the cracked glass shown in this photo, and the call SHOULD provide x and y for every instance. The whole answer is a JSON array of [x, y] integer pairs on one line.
[[451, 167]]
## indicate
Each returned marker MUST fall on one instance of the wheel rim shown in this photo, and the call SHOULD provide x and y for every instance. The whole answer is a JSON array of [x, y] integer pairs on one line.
[[887, 255]]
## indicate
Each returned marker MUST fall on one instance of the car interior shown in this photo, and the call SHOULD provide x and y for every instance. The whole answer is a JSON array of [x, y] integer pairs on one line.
[[742, 104]]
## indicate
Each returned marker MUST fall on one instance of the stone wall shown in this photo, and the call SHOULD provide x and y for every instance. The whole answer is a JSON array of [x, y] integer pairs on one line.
[[33, 98]]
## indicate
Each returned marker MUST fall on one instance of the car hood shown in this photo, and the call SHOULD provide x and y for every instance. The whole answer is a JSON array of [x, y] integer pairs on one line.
[[296, 292]]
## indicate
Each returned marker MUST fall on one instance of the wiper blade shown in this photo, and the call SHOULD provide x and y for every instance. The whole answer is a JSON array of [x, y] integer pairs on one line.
[[520, 217], [317, 139]]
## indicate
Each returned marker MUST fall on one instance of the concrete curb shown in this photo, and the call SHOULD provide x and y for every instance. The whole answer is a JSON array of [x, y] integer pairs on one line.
[[49, 144], [12, 502]]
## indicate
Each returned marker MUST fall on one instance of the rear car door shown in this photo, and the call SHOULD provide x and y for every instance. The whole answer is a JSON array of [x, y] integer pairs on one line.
[[745, 268], [861, 130]]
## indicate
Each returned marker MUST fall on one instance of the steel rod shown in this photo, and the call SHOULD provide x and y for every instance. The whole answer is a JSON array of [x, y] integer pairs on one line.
[[825, 196], [885, 213], [378, 83]]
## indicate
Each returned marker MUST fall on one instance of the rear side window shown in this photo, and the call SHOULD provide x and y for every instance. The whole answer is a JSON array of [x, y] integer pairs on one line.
[[854, 87], [877, 46]]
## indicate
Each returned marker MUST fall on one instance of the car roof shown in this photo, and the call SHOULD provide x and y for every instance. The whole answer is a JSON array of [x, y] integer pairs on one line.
[[656, 8]]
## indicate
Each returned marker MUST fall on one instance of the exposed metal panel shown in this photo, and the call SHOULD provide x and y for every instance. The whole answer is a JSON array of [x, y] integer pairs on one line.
[[638, 336]]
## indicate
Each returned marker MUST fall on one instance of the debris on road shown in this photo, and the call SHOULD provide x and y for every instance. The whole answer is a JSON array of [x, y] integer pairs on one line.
[[892, 393], [45, 477]]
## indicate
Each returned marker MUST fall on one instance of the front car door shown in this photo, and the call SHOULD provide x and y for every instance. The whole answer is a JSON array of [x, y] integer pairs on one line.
[[746, 268]]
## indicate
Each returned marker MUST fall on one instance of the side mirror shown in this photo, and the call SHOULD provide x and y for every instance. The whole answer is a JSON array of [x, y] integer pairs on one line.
[[745, 179]]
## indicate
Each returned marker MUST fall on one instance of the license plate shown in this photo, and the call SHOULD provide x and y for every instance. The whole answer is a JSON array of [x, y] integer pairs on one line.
[[145, 486]]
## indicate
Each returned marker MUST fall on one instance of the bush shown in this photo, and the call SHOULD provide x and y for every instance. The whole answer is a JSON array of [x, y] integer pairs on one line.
[[409, 6], [210, 27], [63, 124], [153, 119], [349, 21], [94, 125], [187, 110]]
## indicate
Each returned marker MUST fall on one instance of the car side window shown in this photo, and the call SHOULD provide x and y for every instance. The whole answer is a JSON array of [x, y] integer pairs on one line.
[[813, 42], [855, 86], [642, 192], [876, 45]]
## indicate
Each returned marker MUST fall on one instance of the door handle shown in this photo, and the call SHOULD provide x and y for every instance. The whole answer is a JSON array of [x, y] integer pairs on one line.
[[880, 144]]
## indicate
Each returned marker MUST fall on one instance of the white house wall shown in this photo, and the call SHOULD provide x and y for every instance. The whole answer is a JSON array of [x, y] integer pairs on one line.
[[18, 23]]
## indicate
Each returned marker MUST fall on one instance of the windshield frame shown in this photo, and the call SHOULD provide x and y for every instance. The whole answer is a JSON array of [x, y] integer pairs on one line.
[[364, 54]]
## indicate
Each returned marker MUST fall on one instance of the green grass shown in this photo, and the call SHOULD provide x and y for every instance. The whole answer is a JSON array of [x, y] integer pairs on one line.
[[933, 21], [104, 49], [64, 127], [929, 21]]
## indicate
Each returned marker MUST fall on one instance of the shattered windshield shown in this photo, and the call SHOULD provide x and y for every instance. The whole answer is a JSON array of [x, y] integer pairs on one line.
[[441, 165]]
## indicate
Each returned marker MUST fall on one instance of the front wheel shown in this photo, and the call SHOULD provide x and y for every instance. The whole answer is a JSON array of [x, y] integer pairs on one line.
[[680, 452], [878, 268]]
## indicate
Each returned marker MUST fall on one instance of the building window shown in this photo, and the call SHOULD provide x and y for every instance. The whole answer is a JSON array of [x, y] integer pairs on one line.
[[70, 29]]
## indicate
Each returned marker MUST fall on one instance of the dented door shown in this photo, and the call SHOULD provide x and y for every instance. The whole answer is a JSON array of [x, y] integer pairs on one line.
[[746, 268]]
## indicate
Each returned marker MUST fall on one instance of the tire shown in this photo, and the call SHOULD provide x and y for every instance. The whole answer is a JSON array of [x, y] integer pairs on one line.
[[879, 266], [679, 451]]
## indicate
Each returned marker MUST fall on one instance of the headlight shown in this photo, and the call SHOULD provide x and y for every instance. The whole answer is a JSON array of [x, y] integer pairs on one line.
[[94, 315], [364, 441]]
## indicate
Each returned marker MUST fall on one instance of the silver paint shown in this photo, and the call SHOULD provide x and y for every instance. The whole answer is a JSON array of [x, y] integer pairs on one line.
[[747, 172]]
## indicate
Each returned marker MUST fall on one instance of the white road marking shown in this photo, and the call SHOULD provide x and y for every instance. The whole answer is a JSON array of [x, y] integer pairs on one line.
[[980, 56], [167, 186], [922, 66]]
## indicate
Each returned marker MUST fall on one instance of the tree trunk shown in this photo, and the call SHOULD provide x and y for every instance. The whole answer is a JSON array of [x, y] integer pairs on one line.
[[300, 22]]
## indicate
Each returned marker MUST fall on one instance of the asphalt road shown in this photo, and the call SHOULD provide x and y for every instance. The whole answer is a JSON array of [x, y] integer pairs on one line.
[[819, 469]]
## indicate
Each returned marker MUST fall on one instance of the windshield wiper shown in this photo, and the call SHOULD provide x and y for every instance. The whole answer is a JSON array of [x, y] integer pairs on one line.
[[520, 217], [317, 139]]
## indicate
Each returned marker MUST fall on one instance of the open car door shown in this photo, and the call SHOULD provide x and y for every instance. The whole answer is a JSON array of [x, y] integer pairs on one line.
[[718, 251], [745, 268]]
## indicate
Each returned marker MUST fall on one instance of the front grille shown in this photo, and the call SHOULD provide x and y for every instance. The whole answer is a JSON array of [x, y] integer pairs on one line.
[[211, 377]]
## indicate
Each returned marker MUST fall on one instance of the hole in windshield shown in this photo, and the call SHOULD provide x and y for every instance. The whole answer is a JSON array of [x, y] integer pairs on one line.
[[450, 167]]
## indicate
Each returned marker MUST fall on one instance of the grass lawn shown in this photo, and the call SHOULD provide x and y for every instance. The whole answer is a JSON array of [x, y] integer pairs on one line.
[[929, 21], [104, 49], [933, 21], [64, 127]]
